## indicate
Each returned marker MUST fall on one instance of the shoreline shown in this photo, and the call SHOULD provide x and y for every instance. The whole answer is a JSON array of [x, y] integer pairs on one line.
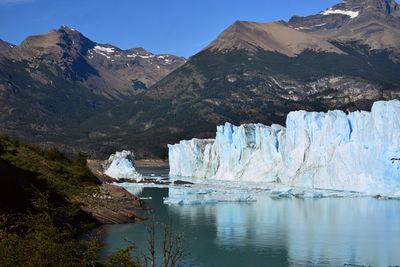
[[113, 204]]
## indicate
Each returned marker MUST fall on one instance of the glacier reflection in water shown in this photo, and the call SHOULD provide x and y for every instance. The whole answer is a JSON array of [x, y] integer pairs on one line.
[[278, 231]]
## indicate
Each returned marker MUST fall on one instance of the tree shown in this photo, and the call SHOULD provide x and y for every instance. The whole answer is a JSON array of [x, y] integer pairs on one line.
[[173, 250], [173, 247]]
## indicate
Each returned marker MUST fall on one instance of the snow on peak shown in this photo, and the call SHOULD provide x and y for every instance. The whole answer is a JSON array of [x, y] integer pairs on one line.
[[67, 28], [104, 49], [120, 166], [352, 14]]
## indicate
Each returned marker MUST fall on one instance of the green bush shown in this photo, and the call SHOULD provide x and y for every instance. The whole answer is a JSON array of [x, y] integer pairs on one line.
[[122, 258], [40, 217], [43, 244]]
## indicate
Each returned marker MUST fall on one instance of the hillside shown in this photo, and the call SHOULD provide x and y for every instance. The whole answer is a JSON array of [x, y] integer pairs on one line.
[[52, 82], [39, 214], [345, 57], [47, 201]]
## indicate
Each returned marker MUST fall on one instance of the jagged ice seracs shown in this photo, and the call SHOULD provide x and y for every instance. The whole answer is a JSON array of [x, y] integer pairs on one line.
[[358, 151]]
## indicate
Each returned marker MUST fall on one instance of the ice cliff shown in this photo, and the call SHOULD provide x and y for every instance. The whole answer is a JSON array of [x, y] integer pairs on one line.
[[120, 166], [359, 151]]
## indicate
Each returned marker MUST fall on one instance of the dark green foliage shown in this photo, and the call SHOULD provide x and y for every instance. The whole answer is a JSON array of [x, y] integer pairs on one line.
[[181, 105], [122, 258], [44, 111], [360, 61], [54, 154], [80, 160], [40, 218], [35, 241], [81, 70], [31, 174], [138, 85]]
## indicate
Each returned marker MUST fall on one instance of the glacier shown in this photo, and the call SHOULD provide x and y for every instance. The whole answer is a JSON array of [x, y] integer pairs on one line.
[[357, 151], [121, 166]]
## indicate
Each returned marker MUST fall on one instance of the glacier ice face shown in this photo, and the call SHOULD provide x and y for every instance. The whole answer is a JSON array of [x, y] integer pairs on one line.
[[232, 155], [359, 151], [120, 166]]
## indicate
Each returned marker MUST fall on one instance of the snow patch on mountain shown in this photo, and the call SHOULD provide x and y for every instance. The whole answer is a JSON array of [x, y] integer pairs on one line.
[[104, 49], [352, 14]]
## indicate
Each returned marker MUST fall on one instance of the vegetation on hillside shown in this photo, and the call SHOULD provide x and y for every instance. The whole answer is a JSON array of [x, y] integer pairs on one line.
[[239, 86], [41, 216], [41, 221]]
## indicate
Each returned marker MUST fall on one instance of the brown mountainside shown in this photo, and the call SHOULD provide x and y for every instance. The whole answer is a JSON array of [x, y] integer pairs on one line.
[[345, 57], [52, 82]]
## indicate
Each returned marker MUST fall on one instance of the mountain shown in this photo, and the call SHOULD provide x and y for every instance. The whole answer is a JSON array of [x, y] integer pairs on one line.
[[345, 57], [52, 82], [4, 46], [104, 69], [374, 23]]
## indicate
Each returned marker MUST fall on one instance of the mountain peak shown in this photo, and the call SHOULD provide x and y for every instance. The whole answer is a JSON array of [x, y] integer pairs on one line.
[[5, 46], [73, 38], [387, 7], [66, 28], [350, 15], [139, 51]]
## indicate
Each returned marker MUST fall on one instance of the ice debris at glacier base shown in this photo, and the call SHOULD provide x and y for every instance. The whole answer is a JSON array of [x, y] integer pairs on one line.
[[121, 166], [359, 151], [212, 191], [200, 195]]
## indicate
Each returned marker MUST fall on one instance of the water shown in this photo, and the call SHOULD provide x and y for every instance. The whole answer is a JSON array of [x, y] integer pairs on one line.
[[275, 231]]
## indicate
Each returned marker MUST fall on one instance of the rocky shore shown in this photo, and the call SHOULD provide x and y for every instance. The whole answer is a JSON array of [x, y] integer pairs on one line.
[[113, 204]]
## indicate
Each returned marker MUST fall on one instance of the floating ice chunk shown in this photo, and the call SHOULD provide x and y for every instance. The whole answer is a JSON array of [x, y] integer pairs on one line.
[[175, 201], [120, 166], [200, 196]]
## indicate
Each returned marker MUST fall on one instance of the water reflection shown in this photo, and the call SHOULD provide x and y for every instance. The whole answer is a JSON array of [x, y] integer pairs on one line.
[[312, 231], [279, 232]]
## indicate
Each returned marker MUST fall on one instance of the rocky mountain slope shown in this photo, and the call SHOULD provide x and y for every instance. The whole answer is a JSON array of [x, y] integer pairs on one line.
[[52, 82], [4, 46], [345, 57]]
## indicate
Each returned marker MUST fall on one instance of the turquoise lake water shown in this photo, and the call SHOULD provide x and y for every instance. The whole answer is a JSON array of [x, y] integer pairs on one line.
[[274, 231]]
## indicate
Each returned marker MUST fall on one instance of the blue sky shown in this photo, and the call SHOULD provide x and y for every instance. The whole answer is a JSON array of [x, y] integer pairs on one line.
[[180, 27]]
